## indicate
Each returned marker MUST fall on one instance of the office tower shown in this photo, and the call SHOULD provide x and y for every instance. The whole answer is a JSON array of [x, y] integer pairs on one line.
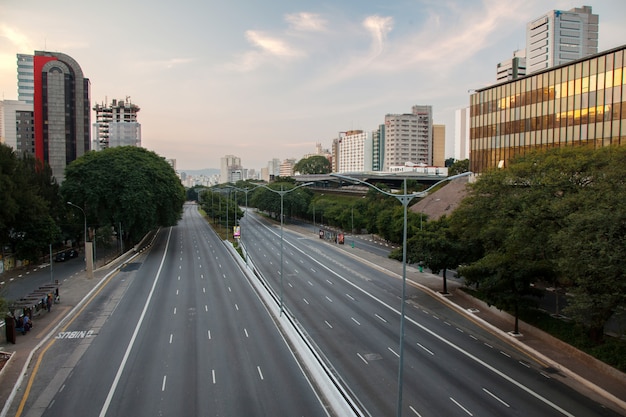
[[116, 125], [355, 151], [575, 104], [408, 137], [512, 68], [559, 37], [230, 165], [61, 109], [25, 78], [16, 126]]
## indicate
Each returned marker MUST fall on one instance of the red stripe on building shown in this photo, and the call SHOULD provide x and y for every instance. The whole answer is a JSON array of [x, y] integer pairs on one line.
[[38, 63]]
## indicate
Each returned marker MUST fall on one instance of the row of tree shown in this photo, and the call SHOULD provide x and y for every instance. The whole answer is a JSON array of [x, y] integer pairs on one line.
[[556, 216], [124, 187]]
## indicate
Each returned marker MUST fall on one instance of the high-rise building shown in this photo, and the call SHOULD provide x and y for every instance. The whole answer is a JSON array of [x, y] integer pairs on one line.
[[559, 37], [16, 126], [512, 68], [61, 110], [579, 103], [355, 151], [461, 134], [25, 78], [408, 137], [378, 148], [116, 125], [230, 168], [286, 167]]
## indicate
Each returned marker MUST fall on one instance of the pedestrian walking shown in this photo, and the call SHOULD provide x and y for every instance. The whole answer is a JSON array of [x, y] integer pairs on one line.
[[49, 302]]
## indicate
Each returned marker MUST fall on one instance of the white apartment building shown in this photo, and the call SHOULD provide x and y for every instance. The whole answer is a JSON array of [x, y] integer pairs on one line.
[[559, 37], [512, 68], [461, 134], [16, 126], [230, 169], [355, 151], [408, 137], [116, 125]]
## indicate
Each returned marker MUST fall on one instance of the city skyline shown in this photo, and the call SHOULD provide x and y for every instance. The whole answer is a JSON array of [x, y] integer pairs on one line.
[[270, 81]]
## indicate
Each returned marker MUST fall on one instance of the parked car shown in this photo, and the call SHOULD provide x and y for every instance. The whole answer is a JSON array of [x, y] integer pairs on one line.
[[61, 257], [72, 253]]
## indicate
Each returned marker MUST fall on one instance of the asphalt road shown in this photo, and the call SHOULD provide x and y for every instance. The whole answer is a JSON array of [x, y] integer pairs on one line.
[[452, 366], [177, 332]]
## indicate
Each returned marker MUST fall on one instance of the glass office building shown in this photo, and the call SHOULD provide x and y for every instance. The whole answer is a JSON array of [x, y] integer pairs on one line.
[[579, 103]]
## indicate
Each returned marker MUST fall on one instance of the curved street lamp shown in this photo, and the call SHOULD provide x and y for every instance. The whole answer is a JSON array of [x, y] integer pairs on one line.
[[405, 199], [282, 193]]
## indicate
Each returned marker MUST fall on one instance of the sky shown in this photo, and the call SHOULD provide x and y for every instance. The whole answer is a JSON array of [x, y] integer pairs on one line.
[[271, 79]]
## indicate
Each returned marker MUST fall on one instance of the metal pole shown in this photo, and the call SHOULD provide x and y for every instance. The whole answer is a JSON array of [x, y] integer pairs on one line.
[[405, 203], [282, 193]]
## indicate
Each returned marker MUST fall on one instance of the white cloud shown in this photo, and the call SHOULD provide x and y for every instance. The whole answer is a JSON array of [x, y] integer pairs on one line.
[[271, 45], [378, 27], [306, 22]]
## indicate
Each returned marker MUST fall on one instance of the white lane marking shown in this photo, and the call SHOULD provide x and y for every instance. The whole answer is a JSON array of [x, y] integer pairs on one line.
[[171, 337], [201, 276], [260, 373], [208, 333], [179, 277], [118, 375], [206, 308], [415, 411], [305, 300], [329, 281], [236, 307], [460, 330], [460, 406], [328, 298], [313, 270], [180, 267], [427, 350], [328, 324], [355, 320], [174, 310], [362, 358], [213, 375], [229, 289], [176, 292], [163, 384], [496, 397], [488, 345], [203, 289], [446, 323], [246, 332], [525, 364], [289, 283], [380, 318], [444, 340], [473, 337], [350, 297], [393, 351], [310, 283], [505, 354]]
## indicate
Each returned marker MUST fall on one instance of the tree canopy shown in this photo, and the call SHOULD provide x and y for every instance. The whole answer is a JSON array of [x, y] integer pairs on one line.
[[556, 216], [127, 185], [316, 164], [29, 210]]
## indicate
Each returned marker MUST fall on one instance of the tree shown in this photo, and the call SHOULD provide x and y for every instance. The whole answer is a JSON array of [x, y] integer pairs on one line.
[[316, 164], [127, 185], [436, 248], [458, 167]]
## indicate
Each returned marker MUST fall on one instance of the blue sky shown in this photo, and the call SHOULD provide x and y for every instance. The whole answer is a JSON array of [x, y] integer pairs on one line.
[[270, 79]]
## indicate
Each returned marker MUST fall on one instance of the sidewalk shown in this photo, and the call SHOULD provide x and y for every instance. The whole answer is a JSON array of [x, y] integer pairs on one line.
[[72, 291]]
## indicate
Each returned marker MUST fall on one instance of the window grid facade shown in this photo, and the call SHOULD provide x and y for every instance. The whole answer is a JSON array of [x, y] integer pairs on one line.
[[580, 103]]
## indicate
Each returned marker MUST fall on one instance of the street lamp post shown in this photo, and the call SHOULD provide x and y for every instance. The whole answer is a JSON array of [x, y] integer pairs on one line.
[[84, 230], [405, 199], [282, 193]]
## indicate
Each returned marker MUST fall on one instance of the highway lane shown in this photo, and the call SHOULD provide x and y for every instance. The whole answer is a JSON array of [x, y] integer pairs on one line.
[[179, 331], [452, 366]]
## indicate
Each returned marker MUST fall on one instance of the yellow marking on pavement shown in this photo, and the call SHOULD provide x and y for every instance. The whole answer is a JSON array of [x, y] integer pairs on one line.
[[33, 374]]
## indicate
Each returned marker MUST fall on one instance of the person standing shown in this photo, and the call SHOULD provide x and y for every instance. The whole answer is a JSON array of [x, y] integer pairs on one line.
[[49, 302]]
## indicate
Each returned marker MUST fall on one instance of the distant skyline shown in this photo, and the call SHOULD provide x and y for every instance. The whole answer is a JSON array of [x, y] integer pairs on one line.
[[264, 80]]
